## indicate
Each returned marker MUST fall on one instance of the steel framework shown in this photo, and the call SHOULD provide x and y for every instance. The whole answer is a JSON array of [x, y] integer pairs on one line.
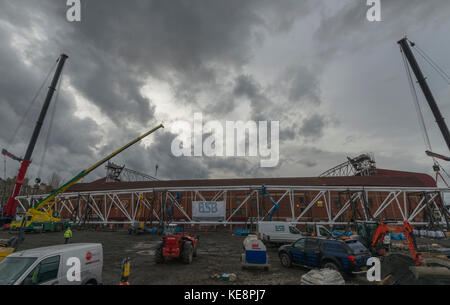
[[117, 173], [154, 202], [363, 165]]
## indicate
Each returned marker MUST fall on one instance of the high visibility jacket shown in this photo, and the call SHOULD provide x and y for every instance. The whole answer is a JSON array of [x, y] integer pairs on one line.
[[68, 233]]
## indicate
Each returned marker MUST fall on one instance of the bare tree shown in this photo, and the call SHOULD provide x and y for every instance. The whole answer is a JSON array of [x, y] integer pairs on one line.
[[55, 180]]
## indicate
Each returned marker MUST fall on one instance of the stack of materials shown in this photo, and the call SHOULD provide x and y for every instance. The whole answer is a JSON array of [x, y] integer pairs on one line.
[[322, 277]]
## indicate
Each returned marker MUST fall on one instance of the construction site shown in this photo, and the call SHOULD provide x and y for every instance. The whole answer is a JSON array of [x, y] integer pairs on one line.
[[356, 223]]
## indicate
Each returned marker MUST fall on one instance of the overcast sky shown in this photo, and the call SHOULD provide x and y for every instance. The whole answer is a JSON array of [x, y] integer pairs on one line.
[[334, 80]]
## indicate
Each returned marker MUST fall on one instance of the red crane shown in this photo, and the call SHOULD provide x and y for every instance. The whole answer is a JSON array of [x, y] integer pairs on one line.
[[10, 209]]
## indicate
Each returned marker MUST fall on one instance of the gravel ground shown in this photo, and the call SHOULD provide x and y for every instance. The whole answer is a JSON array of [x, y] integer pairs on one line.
[[219, 252]]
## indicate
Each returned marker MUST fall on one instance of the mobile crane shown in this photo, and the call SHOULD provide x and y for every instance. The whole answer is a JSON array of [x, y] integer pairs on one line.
[[11, 206], [41, 214], [408, 56]]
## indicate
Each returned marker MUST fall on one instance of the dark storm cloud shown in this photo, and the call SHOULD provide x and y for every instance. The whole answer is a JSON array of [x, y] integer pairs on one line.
[[119, 43], [115, 48], [247, 87], [348, 29], [169, 166], [70, 135], [196, 48], [313, 126], [303, 85], [288, 133], [307, 163]]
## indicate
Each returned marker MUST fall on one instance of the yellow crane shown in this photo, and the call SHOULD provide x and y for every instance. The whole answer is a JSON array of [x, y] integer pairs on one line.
[[42, 217]]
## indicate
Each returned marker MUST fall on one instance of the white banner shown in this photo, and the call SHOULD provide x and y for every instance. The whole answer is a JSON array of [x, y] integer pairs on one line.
[[208, 210]]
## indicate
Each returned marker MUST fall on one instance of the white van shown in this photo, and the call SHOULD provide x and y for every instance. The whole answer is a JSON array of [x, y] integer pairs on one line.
[[278, 232], [48, 265]]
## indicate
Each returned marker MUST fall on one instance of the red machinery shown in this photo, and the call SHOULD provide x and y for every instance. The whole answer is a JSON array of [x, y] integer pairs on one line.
[[176, 245], [406, 229]]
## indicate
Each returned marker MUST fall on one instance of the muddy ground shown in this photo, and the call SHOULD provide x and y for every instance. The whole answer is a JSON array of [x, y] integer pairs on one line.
[[219, 252]]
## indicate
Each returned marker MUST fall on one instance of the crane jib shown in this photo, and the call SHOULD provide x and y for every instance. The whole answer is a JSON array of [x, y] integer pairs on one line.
[[83, 173]]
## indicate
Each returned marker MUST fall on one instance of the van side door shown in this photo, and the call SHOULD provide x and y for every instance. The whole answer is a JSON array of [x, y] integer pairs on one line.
[[45, 273]]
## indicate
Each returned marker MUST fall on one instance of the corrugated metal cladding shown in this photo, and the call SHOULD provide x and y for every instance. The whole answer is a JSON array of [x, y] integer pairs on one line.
[[384, 178]]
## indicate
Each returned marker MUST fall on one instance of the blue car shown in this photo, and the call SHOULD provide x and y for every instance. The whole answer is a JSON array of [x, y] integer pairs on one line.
[[345, 256]]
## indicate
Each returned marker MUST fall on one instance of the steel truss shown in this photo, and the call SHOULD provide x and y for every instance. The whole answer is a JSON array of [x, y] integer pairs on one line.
[[363, 165], [128, 202]]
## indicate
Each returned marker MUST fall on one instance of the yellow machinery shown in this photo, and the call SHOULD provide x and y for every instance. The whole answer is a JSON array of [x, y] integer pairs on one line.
[[7, 246], [138, 226], [41, 217]]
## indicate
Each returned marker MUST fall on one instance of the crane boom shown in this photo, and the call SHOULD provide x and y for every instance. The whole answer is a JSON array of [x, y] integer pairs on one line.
[[426, 90], [83, 173], [12, 202]]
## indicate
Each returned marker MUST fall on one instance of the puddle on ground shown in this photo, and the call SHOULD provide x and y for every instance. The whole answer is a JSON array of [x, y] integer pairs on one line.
[[146, 252], [142, 245]]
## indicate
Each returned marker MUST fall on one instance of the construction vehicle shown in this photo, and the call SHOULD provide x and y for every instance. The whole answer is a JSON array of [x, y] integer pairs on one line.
[[278, 232], [8, 246], [176, 245], [11, 206], [138, 227], [275, 204], [372, 235], [42, 213], [408, 57], [48, 265]]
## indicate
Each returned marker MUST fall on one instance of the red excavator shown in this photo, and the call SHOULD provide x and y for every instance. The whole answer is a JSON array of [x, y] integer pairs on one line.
[[372, 235], [176, 245]]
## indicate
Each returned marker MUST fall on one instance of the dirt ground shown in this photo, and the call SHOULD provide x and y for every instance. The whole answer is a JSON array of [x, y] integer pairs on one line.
[[219, 252]]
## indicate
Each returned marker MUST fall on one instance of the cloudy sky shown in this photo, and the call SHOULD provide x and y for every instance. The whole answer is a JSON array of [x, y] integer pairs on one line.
[[334, 81]]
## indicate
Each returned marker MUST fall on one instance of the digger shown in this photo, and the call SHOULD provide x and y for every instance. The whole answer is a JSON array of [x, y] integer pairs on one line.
[[372, 234], [176, 245]]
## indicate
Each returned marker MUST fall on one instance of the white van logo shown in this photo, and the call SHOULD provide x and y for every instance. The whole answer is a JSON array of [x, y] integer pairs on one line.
[[279, 228], [74, 272]]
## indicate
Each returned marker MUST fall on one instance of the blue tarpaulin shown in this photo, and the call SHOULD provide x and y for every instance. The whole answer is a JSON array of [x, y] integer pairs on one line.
[[242, 232]]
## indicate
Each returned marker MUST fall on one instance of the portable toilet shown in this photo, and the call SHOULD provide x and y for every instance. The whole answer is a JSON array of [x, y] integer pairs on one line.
[[254, 253]]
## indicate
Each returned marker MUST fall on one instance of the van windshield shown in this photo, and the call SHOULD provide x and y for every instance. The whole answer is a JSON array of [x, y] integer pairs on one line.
[[11, 268]]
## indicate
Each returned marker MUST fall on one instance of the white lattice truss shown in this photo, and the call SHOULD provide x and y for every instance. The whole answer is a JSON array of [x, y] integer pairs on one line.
[[122, 199]]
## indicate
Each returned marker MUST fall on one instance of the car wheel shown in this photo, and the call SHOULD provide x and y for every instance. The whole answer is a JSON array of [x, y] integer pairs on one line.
[[331, 265], [196, 249], [285, 260], [158, 256], [187, 254]]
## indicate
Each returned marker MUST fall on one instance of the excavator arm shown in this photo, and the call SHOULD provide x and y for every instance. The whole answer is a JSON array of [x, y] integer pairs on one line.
[[406, 229]]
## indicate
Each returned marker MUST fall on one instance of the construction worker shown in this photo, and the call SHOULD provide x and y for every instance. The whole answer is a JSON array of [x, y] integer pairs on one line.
[[67, 235]]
